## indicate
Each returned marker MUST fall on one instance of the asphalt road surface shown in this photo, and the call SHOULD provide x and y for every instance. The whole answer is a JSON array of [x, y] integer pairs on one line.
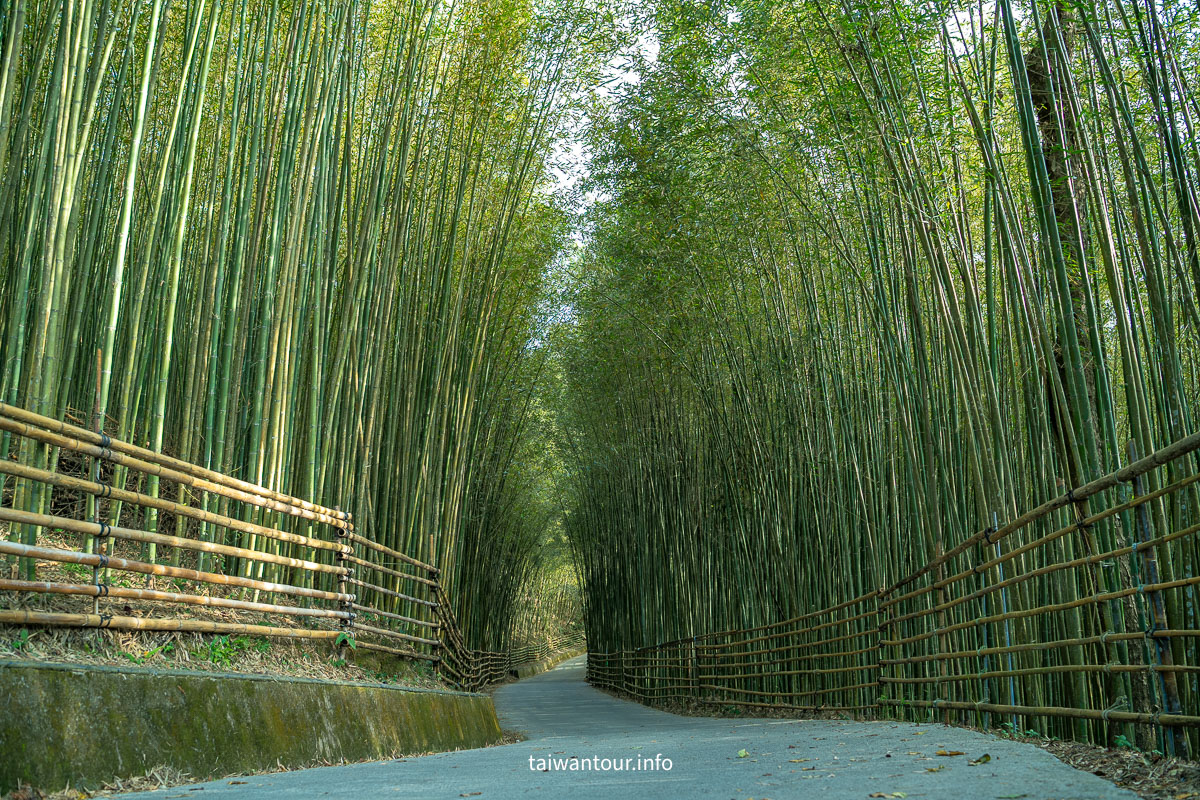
[[568, 721]]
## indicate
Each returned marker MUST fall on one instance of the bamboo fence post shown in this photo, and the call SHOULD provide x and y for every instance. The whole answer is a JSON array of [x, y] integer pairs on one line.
[[1012, 686], [1158, 613], [96, 543], [888, 655], [877, 647], [694, 670], [438, 649], [940, 622], [348, 622], [983, 662]]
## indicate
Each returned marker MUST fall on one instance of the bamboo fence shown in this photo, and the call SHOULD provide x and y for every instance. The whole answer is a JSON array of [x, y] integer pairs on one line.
[[965, 638], [285, 567], [471, 669]]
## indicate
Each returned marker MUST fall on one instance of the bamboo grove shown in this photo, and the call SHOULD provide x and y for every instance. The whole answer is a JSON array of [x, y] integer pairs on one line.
[[855, 282], [300, 243], [865, 279]]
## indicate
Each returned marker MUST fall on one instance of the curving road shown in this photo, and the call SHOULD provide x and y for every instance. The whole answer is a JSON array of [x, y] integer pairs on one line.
[[566, 720]]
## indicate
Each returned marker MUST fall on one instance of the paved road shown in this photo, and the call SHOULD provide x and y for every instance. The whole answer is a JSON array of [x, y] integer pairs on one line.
[[811, 760]]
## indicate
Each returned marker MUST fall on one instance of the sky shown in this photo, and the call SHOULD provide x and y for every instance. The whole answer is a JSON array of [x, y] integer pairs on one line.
[[570, 156], [570, 162]]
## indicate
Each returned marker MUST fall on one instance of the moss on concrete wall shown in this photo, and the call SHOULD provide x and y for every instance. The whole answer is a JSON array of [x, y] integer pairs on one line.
[[65, 724]]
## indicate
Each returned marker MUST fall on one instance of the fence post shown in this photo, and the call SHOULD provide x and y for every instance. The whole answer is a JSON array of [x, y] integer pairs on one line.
[[1012, 686], [882, 687], [347, 623], [1162, 646], [939, 599], [695, 672], [438, 649], [97, 544], [984, 664]]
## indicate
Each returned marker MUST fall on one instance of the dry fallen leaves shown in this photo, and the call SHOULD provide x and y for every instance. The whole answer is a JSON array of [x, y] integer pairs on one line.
[[1151, 777]]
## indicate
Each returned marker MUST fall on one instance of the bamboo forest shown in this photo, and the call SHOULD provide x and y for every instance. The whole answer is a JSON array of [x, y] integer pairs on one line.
[[805, 357]]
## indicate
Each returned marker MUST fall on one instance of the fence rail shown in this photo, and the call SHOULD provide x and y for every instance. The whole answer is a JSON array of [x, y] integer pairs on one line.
[[233, 557], [1080, 613]]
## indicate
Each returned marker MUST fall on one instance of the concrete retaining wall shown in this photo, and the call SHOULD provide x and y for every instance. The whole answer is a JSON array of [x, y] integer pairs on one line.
[[63, 724]]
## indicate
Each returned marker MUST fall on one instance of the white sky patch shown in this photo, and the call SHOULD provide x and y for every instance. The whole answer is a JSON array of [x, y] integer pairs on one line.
[[570, 158], [965, 27]]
